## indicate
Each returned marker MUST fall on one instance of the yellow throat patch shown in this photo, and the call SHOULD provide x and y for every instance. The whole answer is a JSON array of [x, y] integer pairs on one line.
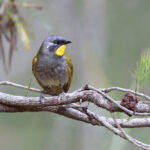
[[61, 50]]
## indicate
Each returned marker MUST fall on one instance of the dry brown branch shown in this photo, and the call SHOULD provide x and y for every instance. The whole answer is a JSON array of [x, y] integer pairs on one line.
[[69, 106]]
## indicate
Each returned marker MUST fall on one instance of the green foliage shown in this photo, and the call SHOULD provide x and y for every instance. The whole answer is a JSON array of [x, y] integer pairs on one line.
[[143, 71], [28, 87]]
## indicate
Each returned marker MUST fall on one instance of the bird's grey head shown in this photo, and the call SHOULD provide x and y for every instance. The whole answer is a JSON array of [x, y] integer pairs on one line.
[[53, 43]]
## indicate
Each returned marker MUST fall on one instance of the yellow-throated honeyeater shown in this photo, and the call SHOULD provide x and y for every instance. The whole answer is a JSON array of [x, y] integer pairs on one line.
[[52, 67]]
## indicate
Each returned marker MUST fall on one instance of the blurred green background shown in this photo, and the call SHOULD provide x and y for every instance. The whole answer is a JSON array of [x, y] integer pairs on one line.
[[108, 38]]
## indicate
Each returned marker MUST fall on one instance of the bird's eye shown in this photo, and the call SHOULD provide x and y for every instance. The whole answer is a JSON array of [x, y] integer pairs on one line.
[[55, 42]]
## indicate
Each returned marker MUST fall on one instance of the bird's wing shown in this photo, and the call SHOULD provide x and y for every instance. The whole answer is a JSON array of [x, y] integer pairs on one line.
[[34, 61], [70, 73]]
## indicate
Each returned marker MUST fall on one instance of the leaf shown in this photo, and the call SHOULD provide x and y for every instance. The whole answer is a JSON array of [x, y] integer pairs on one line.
[[28, 87], [27, 27], [4, 32], [13, 42], [2, 53], [24, 36], [21, 30]]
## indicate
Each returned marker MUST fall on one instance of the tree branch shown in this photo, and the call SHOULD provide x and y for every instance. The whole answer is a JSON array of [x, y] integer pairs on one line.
[[107, 90], [69, 105]]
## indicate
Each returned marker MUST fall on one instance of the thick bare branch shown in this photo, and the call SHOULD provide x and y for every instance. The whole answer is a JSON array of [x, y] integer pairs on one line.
[[78, 115], [68, 98]]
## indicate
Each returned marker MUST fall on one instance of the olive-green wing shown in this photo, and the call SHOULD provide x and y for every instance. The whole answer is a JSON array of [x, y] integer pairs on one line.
[[70, 73], [34, 61]]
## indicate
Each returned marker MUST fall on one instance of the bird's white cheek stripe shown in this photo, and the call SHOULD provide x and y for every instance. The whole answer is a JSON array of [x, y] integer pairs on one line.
[[49, 44], [61, 50]]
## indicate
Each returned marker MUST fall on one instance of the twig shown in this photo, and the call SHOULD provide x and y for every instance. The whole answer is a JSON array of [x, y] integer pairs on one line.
[[130, 139], [107, 90], [118, 132], [27, 5], [19, 86]]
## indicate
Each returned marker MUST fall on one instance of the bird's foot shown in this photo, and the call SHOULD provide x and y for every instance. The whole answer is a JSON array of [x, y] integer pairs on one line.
[[42, 98], [61, 96]]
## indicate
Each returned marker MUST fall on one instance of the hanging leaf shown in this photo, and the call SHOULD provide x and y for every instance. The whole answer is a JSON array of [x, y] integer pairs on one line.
[[2, 54], [24, 36], [13, 42], [27, 27], [21, 30], [12, 24]]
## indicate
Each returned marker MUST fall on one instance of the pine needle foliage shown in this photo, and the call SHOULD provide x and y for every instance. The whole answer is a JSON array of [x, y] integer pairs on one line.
[[142, 71]]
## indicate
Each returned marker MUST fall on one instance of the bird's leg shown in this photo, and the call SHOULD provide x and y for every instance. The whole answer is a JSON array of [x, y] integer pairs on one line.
[[42, 97], [80, 101], [61, 95]]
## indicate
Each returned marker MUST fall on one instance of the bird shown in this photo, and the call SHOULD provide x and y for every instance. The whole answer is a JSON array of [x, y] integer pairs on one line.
[[52, 66]]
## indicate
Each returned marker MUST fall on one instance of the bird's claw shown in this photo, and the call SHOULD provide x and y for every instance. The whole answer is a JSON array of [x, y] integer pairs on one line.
[[42, 98], [61, 96]]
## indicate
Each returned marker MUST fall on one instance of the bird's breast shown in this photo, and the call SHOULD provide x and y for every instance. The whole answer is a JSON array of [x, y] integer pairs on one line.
[[52, 71]]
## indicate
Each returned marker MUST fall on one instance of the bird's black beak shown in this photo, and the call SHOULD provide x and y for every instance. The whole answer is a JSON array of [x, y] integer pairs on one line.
[[68, 42]]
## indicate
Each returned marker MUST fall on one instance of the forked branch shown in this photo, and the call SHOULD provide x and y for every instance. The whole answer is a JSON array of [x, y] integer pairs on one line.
[[70, 105]]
